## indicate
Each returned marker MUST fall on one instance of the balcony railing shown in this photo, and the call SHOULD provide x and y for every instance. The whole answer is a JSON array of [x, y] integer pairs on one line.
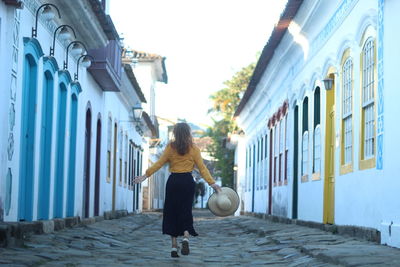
[[106, 68]]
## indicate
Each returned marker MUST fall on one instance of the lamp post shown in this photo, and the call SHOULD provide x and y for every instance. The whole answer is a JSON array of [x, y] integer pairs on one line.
[[77, 49], [47, 13], [85, 63], [64, 35]]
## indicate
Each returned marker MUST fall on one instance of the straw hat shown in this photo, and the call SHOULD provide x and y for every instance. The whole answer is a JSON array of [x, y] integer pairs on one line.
[[224, 203]]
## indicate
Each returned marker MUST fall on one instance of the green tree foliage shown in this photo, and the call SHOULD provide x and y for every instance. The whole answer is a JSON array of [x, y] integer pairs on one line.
[[225, 102]]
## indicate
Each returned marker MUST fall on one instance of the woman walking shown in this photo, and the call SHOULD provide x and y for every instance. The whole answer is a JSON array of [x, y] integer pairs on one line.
[[182, 155]]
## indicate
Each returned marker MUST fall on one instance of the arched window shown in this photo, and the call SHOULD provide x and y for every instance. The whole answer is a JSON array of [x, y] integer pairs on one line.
[[251, 164], [368, 104], [304, 163], [109, 138], [249, 170], [281, 149], [304, 158], [259, 163], [121, 149], [347, 114], [317, 149], [286, 149], [317, 133], [262, 175], [276, 153], [126, 147], [266, 164]]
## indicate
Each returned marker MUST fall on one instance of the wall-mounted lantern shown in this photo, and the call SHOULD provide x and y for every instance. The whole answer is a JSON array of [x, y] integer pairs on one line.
[[328, 83], [137, 112], [64, 34], [86, 61], [77, 49], [47, 14]]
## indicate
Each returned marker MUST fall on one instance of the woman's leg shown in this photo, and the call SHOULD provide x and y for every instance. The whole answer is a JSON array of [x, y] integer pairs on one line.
[[186, 234], [174, 250], [185, 243], [174, 242]]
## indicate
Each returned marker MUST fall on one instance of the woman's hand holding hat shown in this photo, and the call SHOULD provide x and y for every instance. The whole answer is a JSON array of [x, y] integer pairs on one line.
[[225, 203], [139, 179], [216, 187]]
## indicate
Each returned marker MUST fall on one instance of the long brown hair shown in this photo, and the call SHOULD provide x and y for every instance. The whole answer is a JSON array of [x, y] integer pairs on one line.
[[183, 138]]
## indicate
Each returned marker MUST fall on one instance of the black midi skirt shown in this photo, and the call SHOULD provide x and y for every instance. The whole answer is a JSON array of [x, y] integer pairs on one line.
[[177, 213]]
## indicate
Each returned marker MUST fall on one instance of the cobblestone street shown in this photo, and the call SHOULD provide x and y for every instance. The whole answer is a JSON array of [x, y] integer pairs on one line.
[[241, 241]]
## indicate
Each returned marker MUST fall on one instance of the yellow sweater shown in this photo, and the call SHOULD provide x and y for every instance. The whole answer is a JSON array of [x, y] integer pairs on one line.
[[180, 164]]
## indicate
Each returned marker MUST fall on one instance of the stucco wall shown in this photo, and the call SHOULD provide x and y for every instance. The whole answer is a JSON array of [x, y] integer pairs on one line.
[[300, 63], [92, 97]]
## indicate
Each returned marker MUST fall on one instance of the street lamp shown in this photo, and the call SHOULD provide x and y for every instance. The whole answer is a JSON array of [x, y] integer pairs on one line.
[[64, 34], [47, 13], [86, 62], [77, 49], [328, 83]]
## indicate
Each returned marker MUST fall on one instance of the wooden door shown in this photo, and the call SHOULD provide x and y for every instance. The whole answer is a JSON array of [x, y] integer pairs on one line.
[[329, 174]]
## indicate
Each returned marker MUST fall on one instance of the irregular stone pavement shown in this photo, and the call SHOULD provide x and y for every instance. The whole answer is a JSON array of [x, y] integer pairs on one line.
[[233, 241]]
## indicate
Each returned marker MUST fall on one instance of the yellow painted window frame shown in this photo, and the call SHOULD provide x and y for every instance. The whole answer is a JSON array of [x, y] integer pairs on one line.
[[369, 163], [346, 168]]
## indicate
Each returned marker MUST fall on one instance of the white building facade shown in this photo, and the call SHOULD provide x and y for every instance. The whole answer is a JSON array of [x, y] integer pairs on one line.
[[69, 144], [317, 151], [151, 74]]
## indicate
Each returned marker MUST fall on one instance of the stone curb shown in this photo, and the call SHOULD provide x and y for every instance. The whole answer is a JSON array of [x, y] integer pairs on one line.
[[363, 233], [14, 233]]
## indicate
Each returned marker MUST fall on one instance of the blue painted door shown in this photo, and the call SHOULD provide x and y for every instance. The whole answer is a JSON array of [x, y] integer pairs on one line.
[[29, 91], [45, 147], [72, 157], [59, 172]]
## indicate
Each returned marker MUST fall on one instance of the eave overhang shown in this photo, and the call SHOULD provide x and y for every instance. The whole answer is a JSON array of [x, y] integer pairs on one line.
[[290, 11]]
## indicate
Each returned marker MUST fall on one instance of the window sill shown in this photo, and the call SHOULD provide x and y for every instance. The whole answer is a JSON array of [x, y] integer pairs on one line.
[[344, 169], [108, 180], [316, 176], [367, 164], [304, 178]]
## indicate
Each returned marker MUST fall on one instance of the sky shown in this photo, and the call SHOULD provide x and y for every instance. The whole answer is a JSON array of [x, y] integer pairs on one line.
[[205, 43]]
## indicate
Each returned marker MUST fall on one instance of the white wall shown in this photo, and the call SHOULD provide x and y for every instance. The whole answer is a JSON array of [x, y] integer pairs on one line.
[[92, 96], [389, 183], [6, 22], [299, 64]]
